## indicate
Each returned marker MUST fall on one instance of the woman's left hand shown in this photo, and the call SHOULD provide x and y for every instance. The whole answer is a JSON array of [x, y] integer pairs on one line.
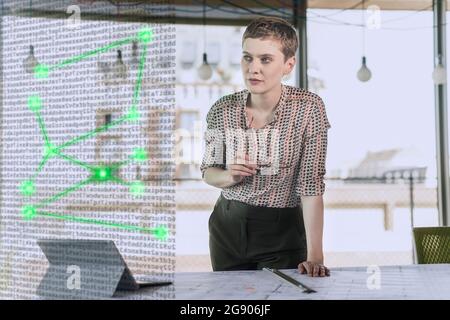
[[313, 269]]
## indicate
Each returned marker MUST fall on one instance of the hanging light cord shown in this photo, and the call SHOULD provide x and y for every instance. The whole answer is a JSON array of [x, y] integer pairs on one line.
[[364, 29], [204, 26]]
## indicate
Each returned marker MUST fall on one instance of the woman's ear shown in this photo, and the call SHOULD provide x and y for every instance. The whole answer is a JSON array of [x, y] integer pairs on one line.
[[289, 65]]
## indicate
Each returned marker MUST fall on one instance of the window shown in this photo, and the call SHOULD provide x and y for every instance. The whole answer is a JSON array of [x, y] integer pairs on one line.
[[375, 133], [213, 51], [187, 145], [188, 54]]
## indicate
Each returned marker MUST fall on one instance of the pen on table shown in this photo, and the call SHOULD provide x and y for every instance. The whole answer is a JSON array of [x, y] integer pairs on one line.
[[291, 280]]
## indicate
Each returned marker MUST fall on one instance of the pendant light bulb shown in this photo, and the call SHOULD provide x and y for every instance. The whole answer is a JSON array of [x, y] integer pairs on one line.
[[135, 53], [30, 62], [119, 68], [205, 70], [364, 74]]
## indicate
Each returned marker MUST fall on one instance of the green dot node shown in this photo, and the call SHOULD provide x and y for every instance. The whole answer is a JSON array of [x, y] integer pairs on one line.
[[50, 150], [133, 114], [27, 188], [35, 103], [28, 212], [101, 174], [160, 233], [139, 154], [145, 35]]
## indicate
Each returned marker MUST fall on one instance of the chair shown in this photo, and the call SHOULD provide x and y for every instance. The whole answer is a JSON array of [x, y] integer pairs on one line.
[[432, 244]]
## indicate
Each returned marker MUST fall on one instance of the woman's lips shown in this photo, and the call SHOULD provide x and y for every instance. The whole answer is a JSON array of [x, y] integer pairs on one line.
[[254, 82]]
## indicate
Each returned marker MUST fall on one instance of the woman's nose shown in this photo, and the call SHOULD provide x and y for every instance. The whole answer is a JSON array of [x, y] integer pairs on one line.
[[253, 67]]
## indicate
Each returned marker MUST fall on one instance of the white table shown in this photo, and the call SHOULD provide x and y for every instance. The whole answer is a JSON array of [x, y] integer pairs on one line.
[[395, 282]]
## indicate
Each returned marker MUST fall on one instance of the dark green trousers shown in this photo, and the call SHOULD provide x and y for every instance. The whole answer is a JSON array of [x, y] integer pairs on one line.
[[246, 237]]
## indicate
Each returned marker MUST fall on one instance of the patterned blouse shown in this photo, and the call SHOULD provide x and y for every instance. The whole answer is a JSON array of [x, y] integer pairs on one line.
[[290, 150]]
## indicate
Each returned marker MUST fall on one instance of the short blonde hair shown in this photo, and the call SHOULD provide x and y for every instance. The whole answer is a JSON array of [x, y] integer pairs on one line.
[[276, 28]]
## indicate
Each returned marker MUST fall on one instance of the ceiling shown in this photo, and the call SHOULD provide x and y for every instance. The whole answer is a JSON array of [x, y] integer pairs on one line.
[[218, 12], [314, 4]]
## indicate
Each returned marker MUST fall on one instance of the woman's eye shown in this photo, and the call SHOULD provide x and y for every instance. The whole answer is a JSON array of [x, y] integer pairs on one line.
[[264, 60]]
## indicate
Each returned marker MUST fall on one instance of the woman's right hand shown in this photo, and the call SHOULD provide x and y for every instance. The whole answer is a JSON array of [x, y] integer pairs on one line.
[[241, 168]]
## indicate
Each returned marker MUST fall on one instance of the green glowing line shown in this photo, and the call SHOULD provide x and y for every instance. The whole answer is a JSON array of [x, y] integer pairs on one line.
[[119, 180], [91, 53], [42, 126], [75, 161], [137, 89], [91, 133], [41, 165], [63, 193], [42, 70], [95, 221]]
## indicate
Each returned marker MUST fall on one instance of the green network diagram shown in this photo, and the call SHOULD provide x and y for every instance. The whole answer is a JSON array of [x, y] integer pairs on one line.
[[98, 173]]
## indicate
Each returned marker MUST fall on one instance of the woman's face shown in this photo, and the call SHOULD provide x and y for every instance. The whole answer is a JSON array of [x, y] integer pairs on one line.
[[263, 64]]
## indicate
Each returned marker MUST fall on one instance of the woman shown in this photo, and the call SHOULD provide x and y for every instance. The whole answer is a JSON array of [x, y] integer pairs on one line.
[[266, 149]]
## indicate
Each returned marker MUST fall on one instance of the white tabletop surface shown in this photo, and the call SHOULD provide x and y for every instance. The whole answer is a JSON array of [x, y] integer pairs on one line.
[[385, 282]]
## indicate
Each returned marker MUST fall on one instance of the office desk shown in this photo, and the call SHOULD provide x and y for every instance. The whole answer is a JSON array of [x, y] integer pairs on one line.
[[395, 282]]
